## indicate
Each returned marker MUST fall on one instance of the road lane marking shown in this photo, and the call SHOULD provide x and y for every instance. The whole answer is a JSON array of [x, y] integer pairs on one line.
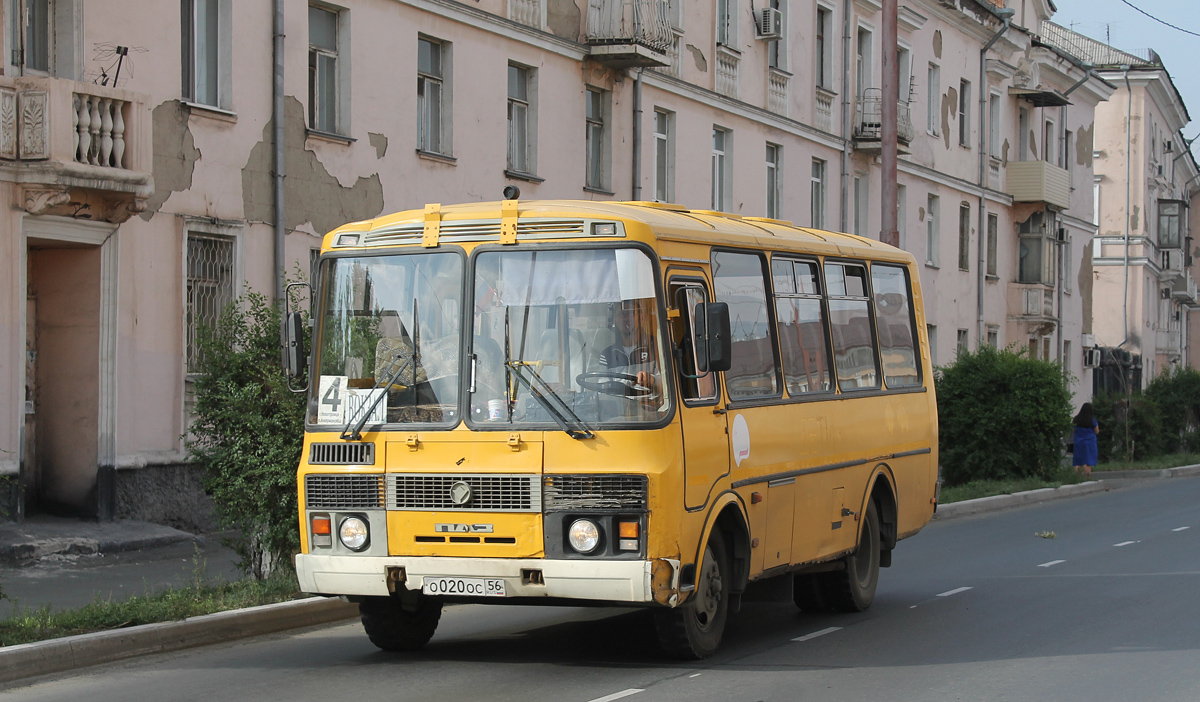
[[1047, 565], [1125, 543], [618, 695], [694, 675], [815, 634], [955, 591], [1181, 528]]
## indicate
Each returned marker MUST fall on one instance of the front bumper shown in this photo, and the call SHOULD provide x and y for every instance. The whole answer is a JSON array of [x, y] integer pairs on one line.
[[613, 581]]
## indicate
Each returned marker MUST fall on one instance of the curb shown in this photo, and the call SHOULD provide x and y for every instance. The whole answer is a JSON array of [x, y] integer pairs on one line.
[[1180, 472], [16, 554], [70, 652], [998, 502]]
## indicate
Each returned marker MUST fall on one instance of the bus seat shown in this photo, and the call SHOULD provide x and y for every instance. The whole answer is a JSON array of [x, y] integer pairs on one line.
[[548, 350]]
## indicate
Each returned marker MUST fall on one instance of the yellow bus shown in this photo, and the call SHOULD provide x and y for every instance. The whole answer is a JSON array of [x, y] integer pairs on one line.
[[624, 403]]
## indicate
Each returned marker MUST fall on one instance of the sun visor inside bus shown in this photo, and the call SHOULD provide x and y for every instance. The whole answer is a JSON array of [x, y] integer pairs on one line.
[[575, 277]]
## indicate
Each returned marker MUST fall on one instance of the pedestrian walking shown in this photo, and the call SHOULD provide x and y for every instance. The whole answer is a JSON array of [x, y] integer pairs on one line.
[[1087, 429]]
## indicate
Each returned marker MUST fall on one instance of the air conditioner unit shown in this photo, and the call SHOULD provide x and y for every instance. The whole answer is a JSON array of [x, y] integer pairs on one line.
[[1091, 358], [768, 23]]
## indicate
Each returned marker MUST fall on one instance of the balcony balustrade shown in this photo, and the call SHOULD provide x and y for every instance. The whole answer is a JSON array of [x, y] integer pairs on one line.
[[868, 125], [777, 92], [1167, 341], [1039, 181], [727, 72], [629, 32], [66, 141], [824, 109], [531, 13]]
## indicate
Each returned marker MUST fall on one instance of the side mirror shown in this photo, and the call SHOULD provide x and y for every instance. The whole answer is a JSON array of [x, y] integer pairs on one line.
[[711, 337], [293, 345]]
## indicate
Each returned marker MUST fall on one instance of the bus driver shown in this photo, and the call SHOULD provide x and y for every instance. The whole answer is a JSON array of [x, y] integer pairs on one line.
[[632, 353]]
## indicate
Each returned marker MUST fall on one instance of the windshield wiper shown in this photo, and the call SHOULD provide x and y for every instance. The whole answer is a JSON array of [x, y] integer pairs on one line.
[[543, 395], [353, 429]]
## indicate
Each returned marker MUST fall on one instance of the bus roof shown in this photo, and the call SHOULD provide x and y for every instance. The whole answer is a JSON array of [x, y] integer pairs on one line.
[[658, 222]]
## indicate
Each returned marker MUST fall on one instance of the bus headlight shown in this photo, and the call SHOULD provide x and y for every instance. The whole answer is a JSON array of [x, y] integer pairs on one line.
[[583, 535], [354, 533]]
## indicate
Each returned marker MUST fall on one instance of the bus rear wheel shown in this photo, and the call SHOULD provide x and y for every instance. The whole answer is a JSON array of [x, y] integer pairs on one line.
[[392, 627], [853, 588], [693, 630]]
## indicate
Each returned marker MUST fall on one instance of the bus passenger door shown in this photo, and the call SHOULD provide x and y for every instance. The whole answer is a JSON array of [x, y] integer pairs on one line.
[[705, 435]]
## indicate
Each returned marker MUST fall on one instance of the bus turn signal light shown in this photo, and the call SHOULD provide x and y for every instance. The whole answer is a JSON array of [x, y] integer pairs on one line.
[[627, 530], [322, 526]]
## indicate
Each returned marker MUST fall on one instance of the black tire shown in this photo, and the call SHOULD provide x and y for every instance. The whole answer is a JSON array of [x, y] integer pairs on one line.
[[393, 628], [853, 589], [808, 592], [694, 629]]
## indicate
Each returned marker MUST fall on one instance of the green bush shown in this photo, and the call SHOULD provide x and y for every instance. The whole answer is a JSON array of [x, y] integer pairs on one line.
[[1001, 416], [1176, 393], [248, 432], [1130, 427]]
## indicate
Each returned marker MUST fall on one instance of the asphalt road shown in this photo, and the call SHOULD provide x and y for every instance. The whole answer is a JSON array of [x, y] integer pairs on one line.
[[975, 608]]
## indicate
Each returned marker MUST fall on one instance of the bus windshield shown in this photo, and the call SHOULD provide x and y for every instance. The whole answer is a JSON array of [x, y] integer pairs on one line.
[[571, 330], [389, 318]]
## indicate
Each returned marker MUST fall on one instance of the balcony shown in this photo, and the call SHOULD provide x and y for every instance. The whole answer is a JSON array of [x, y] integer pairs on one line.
[[868, 123], [1031, 302], [77, 149], [1039, 181], [1167, 341], [1183, 288], [625, 33]]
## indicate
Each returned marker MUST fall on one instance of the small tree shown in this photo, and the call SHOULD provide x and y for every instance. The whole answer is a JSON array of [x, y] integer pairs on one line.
[[1001, 415], [248, 432], [1177, 395]]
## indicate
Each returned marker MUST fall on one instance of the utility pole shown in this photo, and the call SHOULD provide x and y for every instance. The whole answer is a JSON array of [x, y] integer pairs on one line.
[[889, 233]]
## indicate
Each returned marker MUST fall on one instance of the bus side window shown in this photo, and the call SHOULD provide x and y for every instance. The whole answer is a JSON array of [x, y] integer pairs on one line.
[[693, 389], [850, 326], [894, 326], [739, 280], [800, 324]]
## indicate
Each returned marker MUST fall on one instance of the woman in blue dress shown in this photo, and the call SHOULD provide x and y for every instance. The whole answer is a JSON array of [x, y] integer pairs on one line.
[[1086, 431]]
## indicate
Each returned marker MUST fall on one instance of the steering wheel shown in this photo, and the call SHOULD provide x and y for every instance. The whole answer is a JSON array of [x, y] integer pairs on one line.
[[613, 383]]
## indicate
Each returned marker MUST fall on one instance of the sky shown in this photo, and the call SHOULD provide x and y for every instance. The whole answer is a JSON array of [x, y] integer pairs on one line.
[[1117, 24]]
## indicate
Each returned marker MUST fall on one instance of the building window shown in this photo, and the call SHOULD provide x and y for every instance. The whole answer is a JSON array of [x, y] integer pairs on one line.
[[862, 204], [1065, 156], [323, 69], [664, 156], [931, 330], [1050, 142], [993, 227], [777, 51], [824, 72], [31, 24], [210, 288], [932, 234], [722, 187], [1066, 356], [1035, 262], [521, 116], [1023, 145], [964, 237], [932, 108], [726, 22], [774, 154], [433, 117], [596, 139], [994, 126], [205, 59], [993, 336], [964, 113], [817, 211], [864, 74], [1169, 221], [963, 341]]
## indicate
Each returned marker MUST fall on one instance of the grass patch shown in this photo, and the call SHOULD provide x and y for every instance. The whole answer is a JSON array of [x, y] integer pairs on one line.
[[1173, 460], [169, 605], [987, 488]]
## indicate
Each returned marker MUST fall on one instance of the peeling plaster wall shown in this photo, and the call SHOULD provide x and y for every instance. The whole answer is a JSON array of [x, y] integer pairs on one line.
[[311, 194], [564, 18], [175, 154]]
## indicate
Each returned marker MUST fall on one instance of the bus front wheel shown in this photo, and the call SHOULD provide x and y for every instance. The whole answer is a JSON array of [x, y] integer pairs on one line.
[[393, 627], [694, 629]]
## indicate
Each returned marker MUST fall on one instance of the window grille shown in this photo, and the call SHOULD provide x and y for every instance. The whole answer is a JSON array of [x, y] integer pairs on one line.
[[210, 289]]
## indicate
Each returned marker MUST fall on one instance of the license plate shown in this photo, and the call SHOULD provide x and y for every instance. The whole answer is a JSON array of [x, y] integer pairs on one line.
[[469, 587]]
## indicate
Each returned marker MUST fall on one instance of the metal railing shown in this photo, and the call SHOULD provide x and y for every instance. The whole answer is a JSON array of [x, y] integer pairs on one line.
[[642, 22], [869, 123]]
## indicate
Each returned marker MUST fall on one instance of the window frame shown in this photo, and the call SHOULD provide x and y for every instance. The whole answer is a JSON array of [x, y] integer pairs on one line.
[[964, 236], [722, 169], [869, 299], [340, 56], [664, 177], [827, 341], [441, 80], [964, 113], [774, 187], [528, 127], [597, 145], [823, 45], [912, 325], [221, 60], [232, 234], [690, 278], [726, 23], [933, 88], [993, 244], [817, 193], [768, 290], [933, 232]]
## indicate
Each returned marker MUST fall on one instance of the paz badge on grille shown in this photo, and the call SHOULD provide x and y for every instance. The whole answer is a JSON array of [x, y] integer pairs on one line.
[[460, 493]]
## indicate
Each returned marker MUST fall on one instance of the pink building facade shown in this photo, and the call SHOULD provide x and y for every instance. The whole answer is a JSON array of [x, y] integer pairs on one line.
[[138, 152]]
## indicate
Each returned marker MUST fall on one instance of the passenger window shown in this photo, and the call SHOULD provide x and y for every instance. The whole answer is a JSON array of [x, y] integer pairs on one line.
[[850, 326], [800, 324], [894, 325], [740, 281], [687, 296]]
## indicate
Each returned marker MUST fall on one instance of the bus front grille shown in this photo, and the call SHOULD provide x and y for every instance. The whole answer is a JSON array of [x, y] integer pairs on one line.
[[341, 454], [344, 491], [488, 493], [568, 493]]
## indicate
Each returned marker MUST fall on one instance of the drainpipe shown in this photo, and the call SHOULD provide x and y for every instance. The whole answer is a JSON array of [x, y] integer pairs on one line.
[[1006, 15], [845, 114], [637, 135], [1128, 128], [279, 166]]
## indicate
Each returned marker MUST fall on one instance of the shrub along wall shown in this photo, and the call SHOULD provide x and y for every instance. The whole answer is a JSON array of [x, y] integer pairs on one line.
[[1162, 420], [1001, 416]]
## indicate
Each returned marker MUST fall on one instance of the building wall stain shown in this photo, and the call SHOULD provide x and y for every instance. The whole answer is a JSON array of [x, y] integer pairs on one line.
[[175, 154], [698, 57], [1085, 287], [380, 142], [1084, 145], [564, 18], [311, 193], [949, 109], [937, 44]]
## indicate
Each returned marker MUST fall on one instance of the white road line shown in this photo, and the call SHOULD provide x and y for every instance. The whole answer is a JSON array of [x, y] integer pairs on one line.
[[1047, 565], [1181, 528], [815, 634], [1125, 543], [955, 591], [618, 695], [694, 675]]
